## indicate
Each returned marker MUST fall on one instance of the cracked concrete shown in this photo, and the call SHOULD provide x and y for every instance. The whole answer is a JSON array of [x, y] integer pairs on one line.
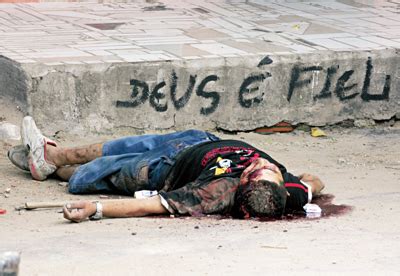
[[198, 65], [230, 94]]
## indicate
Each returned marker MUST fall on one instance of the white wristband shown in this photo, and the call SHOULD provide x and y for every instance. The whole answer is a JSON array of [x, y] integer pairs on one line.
[[308, 189], [99, 211]]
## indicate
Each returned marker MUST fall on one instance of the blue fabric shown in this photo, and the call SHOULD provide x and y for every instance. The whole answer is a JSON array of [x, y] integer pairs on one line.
[[134, 163]]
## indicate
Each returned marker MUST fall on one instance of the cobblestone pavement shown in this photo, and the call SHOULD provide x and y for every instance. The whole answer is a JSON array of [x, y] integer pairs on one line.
[[89, 32]]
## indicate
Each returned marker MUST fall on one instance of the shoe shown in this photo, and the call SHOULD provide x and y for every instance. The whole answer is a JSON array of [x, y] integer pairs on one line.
[[36, 143], [18, 155]]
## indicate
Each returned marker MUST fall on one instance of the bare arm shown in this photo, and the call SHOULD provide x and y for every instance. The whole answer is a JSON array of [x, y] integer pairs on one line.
[[314, 181], [123, 208]]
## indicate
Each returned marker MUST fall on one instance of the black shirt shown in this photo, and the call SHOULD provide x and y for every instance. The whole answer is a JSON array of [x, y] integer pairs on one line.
[[212, 160]]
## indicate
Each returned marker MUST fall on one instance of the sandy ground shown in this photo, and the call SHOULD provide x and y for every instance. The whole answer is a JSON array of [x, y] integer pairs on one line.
[[361, 167]]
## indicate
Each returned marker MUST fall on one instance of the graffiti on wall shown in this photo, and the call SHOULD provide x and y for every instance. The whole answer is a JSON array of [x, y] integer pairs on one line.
[[249, 93], [344, 88], [141, 93]]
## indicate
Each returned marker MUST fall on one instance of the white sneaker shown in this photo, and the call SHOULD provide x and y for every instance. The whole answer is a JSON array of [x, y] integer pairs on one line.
[[33, 139]]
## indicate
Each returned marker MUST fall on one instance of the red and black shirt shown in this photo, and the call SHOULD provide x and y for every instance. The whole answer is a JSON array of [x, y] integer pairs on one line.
[[206, 176]]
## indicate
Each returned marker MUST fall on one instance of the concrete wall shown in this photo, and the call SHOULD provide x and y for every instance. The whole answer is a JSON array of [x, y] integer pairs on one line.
[[13, 83], [232, 94]]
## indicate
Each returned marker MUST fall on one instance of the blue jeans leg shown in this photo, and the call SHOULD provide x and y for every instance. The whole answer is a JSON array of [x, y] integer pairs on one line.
[[134, 163], [144, 143]]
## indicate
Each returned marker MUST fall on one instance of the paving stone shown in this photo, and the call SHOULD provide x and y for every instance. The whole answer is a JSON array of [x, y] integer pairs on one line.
[[330, 43], [357, 42], [65, 24]]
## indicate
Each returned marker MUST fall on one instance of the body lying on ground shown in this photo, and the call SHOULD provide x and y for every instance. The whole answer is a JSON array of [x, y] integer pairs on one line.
[[195, 173]]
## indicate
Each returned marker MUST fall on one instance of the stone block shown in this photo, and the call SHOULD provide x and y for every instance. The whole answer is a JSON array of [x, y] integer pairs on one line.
[[235, 94]]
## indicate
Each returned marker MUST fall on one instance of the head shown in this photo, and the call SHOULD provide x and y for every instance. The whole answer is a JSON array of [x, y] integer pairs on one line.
[[261, 193], [261, 198]]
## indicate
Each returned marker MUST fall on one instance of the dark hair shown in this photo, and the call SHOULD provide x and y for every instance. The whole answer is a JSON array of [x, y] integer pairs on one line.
[[261, 198]]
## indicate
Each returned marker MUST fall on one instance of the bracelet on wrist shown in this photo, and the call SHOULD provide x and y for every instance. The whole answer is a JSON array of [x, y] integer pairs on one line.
[[99, 212]]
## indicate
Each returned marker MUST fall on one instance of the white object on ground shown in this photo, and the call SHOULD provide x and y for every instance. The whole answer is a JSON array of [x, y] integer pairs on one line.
[[9, 263], [145, 193], [9, 131], [312, 210]]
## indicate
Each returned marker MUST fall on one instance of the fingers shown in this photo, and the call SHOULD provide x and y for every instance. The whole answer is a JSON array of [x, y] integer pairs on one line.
[[316, 184], [305, 176], [72, 214], [67, 212], [78, 204], [76, 211]]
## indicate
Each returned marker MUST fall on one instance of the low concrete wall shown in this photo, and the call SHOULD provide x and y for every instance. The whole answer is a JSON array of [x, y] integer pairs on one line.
[[14, 83], [231, 93]]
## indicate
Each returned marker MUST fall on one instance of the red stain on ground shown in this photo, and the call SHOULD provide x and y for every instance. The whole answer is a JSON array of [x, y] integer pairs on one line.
[[36, 1], [19, 1], [324, 201]]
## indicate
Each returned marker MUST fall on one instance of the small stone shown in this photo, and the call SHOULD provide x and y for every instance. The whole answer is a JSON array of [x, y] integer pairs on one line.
[[63, 184], [196, 227], [9, 131], [285, 230], [103, 196], [303, 127], [171, 216], [341, 161], [346, 123], [364, 123], [6, 195], [8, 190], [133, 233]]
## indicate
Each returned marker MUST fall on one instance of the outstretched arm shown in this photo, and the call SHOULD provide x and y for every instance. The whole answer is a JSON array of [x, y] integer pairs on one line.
[[79, 211], [314, 181]]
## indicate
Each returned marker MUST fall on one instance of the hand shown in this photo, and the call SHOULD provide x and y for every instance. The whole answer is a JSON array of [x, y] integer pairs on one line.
[[314, 181], [79, 211]]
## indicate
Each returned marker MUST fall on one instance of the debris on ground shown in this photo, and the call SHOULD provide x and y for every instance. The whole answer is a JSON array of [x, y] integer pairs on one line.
[[63, 184], [279, 127], [317, 132], [364, 123], [9, 131]]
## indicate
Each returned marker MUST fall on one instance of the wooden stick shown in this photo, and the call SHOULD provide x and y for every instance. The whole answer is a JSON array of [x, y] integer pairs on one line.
[[51, 204], [36, 205]]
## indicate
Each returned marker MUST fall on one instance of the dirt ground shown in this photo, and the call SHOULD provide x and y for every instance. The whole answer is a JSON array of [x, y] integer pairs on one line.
[[361, 167]]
